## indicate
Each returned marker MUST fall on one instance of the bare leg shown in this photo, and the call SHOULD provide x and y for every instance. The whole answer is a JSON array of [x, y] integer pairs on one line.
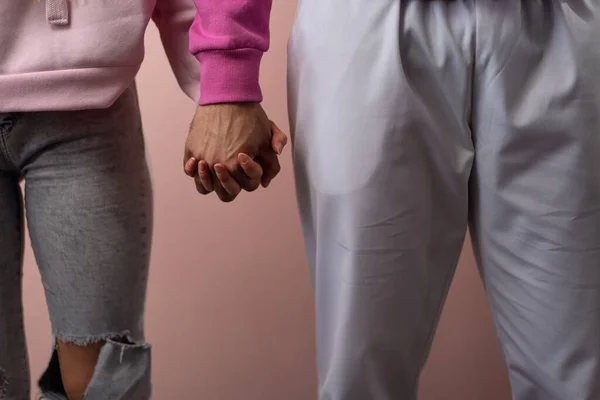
[[77, 364]]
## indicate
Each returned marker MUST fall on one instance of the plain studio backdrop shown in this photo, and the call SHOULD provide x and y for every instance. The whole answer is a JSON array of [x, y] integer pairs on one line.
[[230, 307]]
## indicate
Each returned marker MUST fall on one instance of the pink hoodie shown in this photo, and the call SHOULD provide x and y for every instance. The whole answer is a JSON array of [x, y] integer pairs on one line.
[[81, 54], [229, 38]]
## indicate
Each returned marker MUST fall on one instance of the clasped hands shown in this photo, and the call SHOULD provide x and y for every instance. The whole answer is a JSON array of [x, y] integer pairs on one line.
[[232, 147]]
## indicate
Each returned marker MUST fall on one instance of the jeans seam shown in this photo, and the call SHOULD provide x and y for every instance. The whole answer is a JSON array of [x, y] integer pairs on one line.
[[5, 128]]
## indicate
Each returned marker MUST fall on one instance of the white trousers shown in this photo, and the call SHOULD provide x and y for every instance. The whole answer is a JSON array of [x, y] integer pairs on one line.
[[412, 119]]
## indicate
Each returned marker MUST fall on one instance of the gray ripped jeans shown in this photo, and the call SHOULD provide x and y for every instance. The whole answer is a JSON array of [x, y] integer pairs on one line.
[[88, 201]]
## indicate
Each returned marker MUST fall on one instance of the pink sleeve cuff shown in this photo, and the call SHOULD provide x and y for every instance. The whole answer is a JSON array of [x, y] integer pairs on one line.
[[229, 76]]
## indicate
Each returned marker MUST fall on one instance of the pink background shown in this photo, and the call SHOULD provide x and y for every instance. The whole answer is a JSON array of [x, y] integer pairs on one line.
[[230, 309]]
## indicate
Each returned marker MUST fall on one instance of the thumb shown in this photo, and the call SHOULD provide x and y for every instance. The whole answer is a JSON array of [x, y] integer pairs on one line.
[[278, 139]]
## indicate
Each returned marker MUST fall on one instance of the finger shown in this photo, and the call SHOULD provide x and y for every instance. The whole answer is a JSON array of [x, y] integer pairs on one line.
[[205, 176], [245, 182], [229, 184], [248, 173], [200, 187], [223, 195], [271, 167], [190, 167], [278, 140], [250, 167], [220, 191]]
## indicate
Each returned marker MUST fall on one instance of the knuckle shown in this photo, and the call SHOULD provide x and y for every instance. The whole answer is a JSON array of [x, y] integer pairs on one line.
[[207, 183], [231, 165], [223, 195], [252, 186], [201, 188], [249, 169], [227, 198]]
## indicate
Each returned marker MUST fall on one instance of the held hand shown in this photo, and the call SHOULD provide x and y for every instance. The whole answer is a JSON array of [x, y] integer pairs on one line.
[[204, 181], [201, 173], [226, 138]]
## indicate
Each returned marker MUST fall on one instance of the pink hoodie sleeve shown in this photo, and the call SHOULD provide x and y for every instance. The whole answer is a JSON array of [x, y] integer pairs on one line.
[[229, 37]]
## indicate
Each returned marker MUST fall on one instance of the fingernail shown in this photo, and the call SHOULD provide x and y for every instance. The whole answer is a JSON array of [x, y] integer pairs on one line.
[[219, 170], [245, 159]]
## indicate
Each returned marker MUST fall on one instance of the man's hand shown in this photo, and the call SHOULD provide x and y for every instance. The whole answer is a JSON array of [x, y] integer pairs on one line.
[[231, 147]]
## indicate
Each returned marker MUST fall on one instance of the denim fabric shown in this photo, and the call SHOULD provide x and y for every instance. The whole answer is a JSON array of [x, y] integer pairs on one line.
[[88, 202]]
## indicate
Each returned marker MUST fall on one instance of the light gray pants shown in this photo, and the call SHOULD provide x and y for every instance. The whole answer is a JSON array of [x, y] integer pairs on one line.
[[89, 211], [412, 118]]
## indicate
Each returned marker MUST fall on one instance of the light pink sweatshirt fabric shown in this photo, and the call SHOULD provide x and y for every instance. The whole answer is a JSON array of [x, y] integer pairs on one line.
[[82, 54]]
